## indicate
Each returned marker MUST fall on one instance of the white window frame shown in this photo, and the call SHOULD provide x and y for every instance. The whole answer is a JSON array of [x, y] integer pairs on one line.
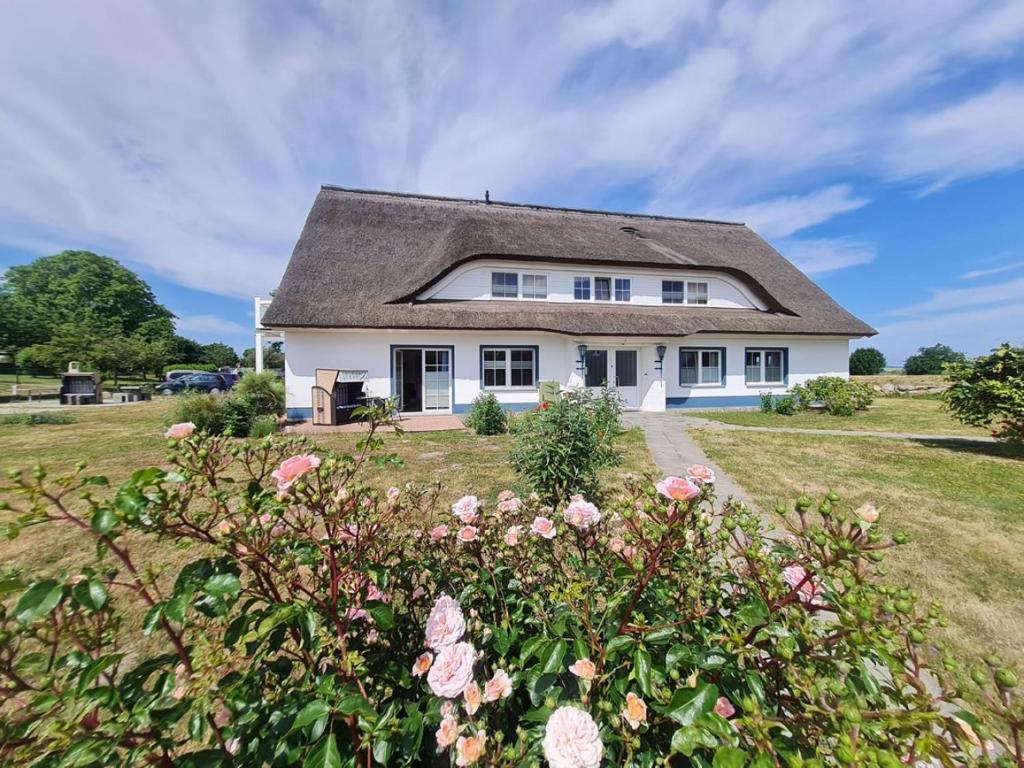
[[762, 382], [699, 351], [611, 288], [508, 385], [707, 293], [629, 289], [534, 275]]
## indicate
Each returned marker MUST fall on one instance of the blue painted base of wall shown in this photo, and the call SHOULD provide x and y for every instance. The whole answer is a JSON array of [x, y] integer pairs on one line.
[[720, 401], [514, 407], [300, 414]]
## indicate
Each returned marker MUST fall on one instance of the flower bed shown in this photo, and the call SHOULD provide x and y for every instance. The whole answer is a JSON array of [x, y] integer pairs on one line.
[[328, 624]]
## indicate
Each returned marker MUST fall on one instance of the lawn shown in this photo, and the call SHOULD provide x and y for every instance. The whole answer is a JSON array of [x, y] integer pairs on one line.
[[962, 504], [115, 440], [908, 415]]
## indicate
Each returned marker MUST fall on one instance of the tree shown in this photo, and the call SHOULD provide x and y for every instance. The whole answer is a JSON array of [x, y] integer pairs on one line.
[[273, 356], [867, 361], [184, 350], [990, 388], [218, 354], [932, 360], [94, 293]]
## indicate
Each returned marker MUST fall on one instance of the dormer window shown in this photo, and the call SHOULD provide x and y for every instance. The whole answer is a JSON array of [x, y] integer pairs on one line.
[[602, 289], [581, 288], [535, 286], [697, 293], [504, 285], [623, 289], [671, 291]]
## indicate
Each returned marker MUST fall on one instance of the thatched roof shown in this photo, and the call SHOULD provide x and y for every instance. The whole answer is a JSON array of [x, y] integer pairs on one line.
[[363, 257]]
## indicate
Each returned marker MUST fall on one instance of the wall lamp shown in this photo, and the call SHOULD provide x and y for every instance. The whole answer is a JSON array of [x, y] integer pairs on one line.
[[582, 350], [659, 352]]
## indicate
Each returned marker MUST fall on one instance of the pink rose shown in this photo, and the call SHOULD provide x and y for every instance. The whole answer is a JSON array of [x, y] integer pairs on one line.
[[452, 670], [446, 623], [469, 749], [512, 535], [506, 495], [438, 532], [581, 514], [292, 469], [448, 732], [224, 527], [392, 493], [635, 712], [509, 506], [616, 543], [724, 707], [356, 614], [700, 474], [180, 431], [422, 664], [809, 590], [418, 593], [465, 509], [867, 512], [584, 669], [467, 533], [543, 526], [472, 698], [677, 488], [373, 593], [498, 687], [572, 740]]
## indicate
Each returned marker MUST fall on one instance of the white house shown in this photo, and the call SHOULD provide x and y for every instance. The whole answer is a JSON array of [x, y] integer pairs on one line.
[[434, 300]]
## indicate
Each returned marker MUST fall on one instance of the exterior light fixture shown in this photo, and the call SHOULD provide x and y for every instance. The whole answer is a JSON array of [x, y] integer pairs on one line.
[[659, 352], [582, 350]]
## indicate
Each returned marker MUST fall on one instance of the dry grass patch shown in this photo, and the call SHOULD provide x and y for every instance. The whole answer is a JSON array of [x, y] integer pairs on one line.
[[963, 506], [915, 416]]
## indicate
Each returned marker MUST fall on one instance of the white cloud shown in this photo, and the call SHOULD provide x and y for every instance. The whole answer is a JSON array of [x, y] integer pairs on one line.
[[958, 298], [210, 325], [974, 274], [820, 256], [972, 332], [192, 139]]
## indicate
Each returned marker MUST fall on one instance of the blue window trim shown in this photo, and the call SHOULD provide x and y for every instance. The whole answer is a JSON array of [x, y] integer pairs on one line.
[[682, 291], [698, 385], [536, 367], [785, 367], [451, 370], [589, 287], [628, 289]]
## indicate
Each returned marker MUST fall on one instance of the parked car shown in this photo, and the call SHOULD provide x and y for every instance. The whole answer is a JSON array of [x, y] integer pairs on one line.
[[172, 375], [213, 383]]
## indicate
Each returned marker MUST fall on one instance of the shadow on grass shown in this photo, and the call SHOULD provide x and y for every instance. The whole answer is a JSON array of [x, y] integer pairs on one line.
[[977, 447]]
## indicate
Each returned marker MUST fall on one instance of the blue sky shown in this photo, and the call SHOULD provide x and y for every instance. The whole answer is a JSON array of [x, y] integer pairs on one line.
[[878, 145]]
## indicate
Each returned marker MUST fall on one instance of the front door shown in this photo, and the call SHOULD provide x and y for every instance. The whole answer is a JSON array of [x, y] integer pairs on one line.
[[423, 380], [616, 369]]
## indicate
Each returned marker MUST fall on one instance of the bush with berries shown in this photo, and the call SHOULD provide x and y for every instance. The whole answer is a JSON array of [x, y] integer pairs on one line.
[[324, 622]]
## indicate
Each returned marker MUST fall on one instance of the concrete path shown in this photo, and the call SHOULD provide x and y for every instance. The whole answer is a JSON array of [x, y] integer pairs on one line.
[[673, 451], [692, 422]]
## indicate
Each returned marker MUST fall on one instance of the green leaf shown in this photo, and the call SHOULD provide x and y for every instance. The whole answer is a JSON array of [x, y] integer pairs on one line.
[[552, 657], [223, 585], [684, 740], [729, 757], [383, 616], [152, 619], [324, 755], [104, 520], [619, 643], [310, 714], [642, 670], [675, 654], [355, 703], [754, 613], [41, 598], [90, 593], [660, 636], [383, 748], [688, 704]]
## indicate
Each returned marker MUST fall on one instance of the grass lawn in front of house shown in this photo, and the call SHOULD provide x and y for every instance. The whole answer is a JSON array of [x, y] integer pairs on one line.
[[907, 415], [962, 504]]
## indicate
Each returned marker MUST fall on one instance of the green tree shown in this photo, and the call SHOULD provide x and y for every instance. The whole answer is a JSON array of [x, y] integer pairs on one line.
[[273, 356], [184, 350], [94, 293], [867, 361], [990, 389], [218, 354], [932, 360]]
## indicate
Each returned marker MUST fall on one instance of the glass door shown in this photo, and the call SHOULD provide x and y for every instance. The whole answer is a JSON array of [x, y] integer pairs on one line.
[[437, 379], [625, 376]]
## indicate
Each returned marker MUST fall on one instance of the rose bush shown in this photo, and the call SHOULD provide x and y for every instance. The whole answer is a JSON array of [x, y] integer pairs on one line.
[[323, 622]]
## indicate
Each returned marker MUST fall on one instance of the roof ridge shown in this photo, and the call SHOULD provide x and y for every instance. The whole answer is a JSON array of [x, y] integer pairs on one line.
[[528, 206]]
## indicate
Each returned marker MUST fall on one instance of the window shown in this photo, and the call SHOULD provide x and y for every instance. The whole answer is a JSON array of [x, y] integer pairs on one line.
[[766, 366], [700, 366], [504, 285], [581, 288], [696, 293], [511, 367], [623, 289], [602, 289], [671, 291], [535, 286]]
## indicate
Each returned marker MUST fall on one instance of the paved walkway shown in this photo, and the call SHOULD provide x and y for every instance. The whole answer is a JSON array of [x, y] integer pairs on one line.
[[673, 450], [693, 422]]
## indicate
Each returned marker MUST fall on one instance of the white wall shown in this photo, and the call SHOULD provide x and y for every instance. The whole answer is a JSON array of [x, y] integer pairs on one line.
[[472, 282], [308, 350]]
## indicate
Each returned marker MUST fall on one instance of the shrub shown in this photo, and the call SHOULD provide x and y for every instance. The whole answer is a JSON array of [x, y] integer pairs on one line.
[[931, 360], [990, 389], [263, 426], [839, 396], [265, 389], [785, 405], [866, 361], [34, 419], [663, 626], [486, 417], [205, 411], [560, 447], [239, 412], [767, 402]]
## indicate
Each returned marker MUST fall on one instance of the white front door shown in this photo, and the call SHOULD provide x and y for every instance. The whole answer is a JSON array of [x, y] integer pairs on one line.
[[423, 379], [616, 368]]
